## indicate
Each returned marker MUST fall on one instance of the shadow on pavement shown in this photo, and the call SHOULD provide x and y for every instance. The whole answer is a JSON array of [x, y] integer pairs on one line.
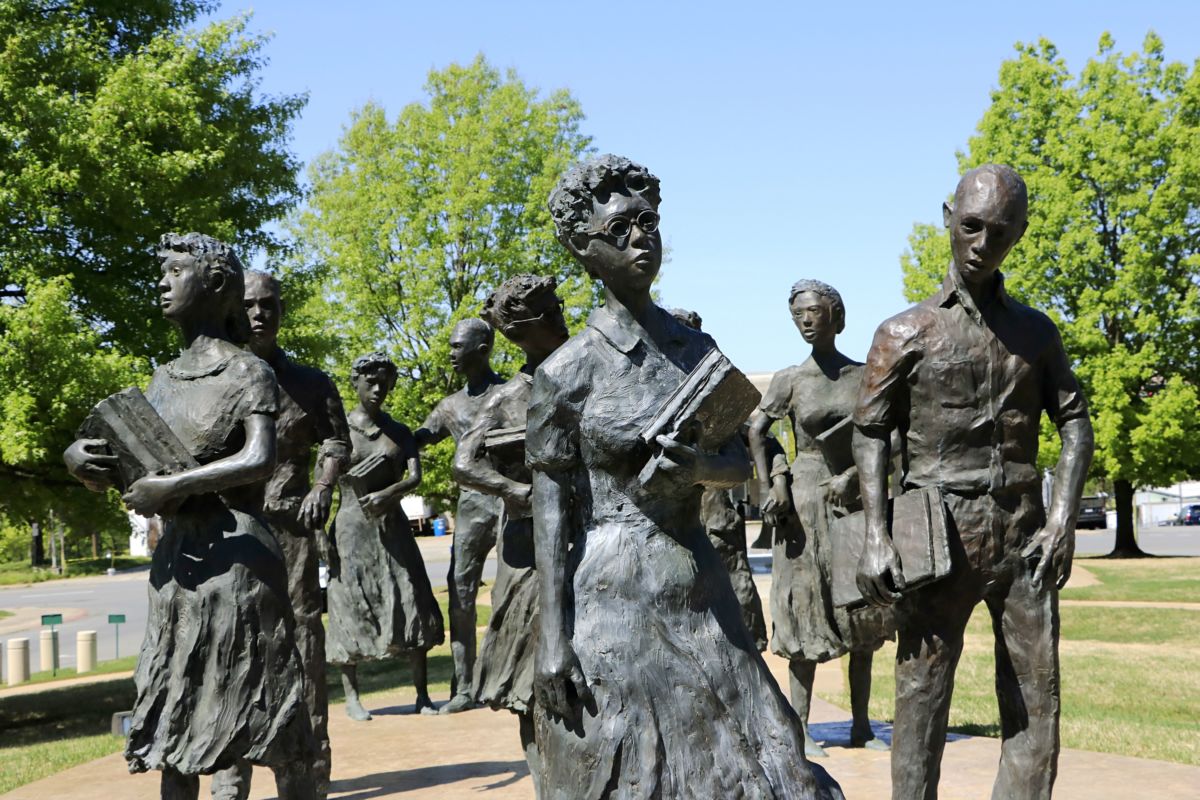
[[386, 784]]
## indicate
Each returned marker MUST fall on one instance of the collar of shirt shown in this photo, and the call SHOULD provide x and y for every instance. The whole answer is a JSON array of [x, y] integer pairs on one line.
[[954, 290], [624, 332]]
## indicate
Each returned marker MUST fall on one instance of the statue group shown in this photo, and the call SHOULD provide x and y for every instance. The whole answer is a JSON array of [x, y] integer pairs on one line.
[[626, 630]]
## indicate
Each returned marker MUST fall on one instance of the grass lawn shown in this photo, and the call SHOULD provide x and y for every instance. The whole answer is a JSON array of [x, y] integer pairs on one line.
[[20, 571], [50, 731], [4, 613], [1163, 580], [63, 673], [1129, 679]]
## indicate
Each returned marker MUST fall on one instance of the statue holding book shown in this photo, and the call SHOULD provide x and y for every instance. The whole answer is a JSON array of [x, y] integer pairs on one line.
[[196, 449], [964, 377], [491, 459], [310, 418], [381, 605], [726, 529], [647, 680], [803, 499], [476, 516]]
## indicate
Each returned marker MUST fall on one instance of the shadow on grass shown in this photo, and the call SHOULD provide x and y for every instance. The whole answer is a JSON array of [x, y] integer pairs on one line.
[[387, 784], [58, 714]]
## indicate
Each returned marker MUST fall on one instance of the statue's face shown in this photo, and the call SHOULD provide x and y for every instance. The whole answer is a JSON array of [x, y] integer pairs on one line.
[[543, 332], [263, 308], [372, 388], [987, 220], [183, 291], [623, 263], [815, 317], [469, 349]]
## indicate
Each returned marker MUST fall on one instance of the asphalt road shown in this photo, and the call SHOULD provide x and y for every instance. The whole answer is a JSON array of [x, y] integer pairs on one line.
[[92, 599]]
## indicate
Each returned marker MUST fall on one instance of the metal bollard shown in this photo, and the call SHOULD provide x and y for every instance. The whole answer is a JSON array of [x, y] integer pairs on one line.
[[48, 651], [85, 651], [18, 661]]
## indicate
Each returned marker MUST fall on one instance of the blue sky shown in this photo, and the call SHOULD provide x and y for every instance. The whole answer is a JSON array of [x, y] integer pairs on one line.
[[793, 140]]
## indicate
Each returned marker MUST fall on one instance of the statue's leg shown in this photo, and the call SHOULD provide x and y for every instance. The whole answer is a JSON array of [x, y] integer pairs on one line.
[[861, 734], [930, 625], [474, 537], [801, 674], [233, 783], [354, 706], [304, 591], [177, 786], [533, 756], [420, 673], [1025, 621]]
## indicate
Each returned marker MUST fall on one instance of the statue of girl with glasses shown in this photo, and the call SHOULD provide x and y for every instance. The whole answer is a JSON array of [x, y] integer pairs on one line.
[[647, 681]]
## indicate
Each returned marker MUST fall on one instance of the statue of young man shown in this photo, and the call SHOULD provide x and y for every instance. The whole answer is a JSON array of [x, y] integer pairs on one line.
[[310, 415], [964, 377], [477, 515]]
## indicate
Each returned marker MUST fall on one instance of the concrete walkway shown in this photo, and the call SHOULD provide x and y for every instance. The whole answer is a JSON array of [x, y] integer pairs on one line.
[[477, 755]]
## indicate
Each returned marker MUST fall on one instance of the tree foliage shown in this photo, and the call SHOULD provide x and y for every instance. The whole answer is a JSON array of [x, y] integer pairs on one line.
[[116, 126], [1112, 160], [410, 223]]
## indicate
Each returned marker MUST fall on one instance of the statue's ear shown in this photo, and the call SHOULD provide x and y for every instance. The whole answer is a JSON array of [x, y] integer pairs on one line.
[[215, 281], [947, 214]]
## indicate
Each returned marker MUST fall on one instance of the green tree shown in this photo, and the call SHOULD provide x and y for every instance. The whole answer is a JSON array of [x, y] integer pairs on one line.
[[1112, 160], [411, 223], [116, 125]]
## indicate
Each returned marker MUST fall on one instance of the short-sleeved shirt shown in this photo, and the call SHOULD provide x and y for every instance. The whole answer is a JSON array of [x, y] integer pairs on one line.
[[310, 415], [966, 388], [456, 414]]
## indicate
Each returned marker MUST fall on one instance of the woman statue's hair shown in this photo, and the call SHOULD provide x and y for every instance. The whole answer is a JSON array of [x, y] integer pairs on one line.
[[571, 201], [215, 257], [373, 362], [517, 299]]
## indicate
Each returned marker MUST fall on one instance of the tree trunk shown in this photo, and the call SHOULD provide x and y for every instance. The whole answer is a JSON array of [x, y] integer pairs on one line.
[[1126, 545], [95, 544], [37, 551]]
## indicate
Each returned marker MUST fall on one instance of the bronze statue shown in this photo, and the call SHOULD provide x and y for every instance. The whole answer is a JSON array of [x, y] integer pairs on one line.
[[964, 377], [647, 680], [477, 515], [726, 529], [218, 576], [801, 499], [491, 459], [381, 604], [310, 416]]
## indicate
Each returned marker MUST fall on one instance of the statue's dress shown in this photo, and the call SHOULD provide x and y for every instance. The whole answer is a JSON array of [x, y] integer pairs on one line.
[[219, 676], [504, 666], [685, 706], [380, 600], [805, 623]]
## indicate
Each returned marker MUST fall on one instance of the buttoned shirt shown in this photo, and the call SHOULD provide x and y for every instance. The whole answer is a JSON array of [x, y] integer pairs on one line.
[[966, 386]]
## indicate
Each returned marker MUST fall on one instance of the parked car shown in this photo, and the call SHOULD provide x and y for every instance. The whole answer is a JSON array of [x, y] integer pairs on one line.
[[1092, 513], [1190, 515]]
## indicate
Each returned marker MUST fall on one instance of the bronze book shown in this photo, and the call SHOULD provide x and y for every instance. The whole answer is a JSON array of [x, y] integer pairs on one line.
[[505, 442], [371, 474], [137, 436], [836, 446], [917, 521], [707, 409]]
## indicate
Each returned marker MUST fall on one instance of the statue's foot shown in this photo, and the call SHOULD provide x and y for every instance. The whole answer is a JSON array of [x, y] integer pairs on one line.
[[812, 749], [424, 705], [460, 702], [355, 710], [868, 741]]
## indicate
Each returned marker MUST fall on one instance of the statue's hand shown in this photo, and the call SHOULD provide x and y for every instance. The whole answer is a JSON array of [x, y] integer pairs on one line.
[[838, 487], [314, 510], [517, 501], [373, 504], [1056, 542], [777, 505], [879, 571], [558, 681], [95, 470], [149, 495]]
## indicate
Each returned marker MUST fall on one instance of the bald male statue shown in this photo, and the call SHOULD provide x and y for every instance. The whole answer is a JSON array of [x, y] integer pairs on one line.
[[964, 377], [477, 516], [310, 416]]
